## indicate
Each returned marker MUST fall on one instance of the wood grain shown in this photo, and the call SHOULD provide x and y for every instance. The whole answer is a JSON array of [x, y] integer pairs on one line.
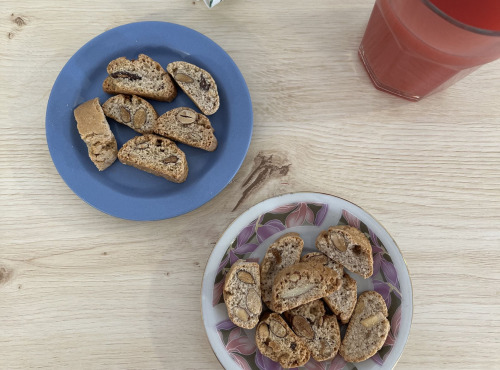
[[80, 289]]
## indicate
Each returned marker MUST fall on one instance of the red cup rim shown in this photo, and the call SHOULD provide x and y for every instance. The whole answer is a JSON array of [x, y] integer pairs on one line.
[[457, 23]]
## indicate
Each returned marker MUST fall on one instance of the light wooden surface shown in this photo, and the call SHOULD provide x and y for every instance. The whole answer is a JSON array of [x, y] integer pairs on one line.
[[80, 289]]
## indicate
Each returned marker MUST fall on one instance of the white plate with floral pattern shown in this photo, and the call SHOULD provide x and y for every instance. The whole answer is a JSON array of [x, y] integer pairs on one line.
[[248, 238]]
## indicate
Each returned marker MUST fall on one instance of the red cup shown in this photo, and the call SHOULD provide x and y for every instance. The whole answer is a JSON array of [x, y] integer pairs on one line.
[[413, 48]]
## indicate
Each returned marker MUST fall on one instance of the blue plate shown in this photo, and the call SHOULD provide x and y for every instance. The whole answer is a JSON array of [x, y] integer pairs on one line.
[[124, 191]]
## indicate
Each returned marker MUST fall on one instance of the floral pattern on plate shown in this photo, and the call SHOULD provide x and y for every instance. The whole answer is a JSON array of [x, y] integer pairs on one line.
[[240, 343]]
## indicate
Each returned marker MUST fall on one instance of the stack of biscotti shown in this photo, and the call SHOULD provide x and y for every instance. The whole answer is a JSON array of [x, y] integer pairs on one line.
[[296, 289], [367, 321], [134, 81]]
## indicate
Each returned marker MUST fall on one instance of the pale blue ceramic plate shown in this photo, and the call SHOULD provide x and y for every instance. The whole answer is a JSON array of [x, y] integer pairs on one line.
[[124, 191]]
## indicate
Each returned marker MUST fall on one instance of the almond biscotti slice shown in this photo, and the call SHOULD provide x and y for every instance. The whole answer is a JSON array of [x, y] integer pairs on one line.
[[157, 155], [187, 126], [342, 301], [349, 247], [320, 332], [367, 329], [131, 111], [301, 283], [242, 294], [95, 132], [142, 76], [276, 340], [324, 260], [283, 252], [198, 84]]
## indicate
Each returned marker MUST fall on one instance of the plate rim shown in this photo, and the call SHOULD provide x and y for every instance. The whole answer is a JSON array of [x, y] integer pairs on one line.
[[151, 213], [204, 299]]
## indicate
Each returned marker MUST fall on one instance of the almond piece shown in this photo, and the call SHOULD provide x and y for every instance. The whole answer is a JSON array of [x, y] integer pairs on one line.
[[245, 277], [360, 306], [320, 258], [186, 117], [302, 327], [254, 303], [171, 159], [339, 242], [277, 329], [298, 290], [181, 77], [373, 320], [294, 277], [263, 331], [124, 114], [139, 118], [241, 314]]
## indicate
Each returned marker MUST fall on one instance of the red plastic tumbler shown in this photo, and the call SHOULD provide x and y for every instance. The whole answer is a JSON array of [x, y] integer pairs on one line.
[[413, 48]]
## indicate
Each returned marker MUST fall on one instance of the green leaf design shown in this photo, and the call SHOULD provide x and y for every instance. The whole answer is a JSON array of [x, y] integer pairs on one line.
[[342, 221], [271, 216], [384, 351], [386, 255], [395, 303], [364, 229]]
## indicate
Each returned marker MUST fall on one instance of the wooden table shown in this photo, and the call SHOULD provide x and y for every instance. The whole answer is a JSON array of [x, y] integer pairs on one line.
[[81, 289]]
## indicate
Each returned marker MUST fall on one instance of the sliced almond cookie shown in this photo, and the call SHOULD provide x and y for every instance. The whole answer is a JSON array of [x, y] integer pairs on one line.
[[367, 329], [95, 132], [142, 76], [342, 301], [276, 340], [320, 332], [131, 111], [349, 247], [157, 155], [187, 126], [301, 283], [198, 84], [242, 294], [283, 252]]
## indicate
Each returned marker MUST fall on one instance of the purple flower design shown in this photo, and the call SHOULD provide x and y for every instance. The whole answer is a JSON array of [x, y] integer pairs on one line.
[[246, 233], [242, 245], [390, 273], [284, 209], [241, 361], [377, 261], [238, 342], [218, 288], [376, 248], [269, 229], [389, 342], [377, 359], [223, 263], [384, 290], [396, 321], [320, 216], [299, 215], [351, 220], [312, 364], [225, 325], [265, 363], [338, 363]]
